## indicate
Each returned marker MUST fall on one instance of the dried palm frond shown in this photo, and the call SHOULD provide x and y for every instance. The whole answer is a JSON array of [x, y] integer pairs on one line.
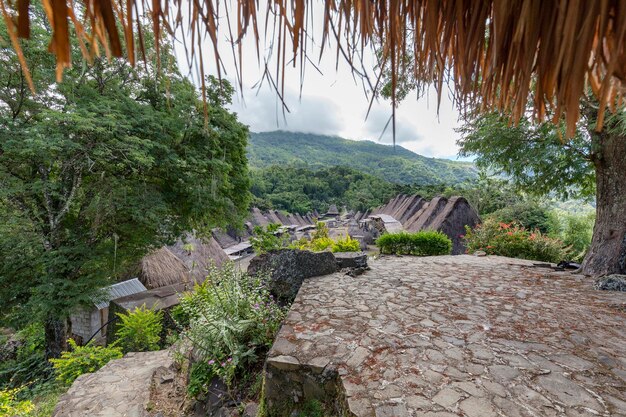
[[497, 53]]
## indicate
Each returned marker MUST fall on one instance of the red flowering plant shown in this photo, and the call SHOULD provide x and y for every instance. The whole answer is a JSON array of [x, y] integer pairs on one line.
[[513, 240]]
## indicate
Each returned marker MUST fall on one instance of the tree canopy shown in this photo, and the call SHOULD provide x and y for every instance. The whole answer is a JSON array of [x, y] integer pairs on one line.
[[99, 169], [534, 156]]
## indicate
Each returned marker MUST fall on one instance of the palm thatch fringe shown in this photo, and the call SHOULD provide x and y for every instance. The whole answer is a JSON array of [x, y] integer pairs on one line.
[[161, 268], [496, 53]]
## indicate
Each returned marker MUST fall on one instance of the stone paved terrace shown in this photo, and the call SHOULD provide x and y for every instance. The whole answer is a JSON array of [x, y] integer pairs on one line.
[[454, 336], [121, 388]]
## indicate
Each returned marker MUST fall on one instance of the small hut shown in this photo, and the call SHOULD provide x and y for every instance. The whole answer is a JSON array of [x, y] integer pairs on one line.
[[91, 321], [332, 211]]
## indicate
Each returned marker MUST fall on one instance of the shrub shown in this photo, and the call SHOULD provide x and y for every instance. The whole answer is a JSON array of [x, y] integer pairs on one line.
[[233, 321], [530, 214], [320, 244], [11, 406], [139, 330], [81, 360], [346, 244], [321, 231], [577, 233], [424, 243], [316, 245], [265, 240], [512, 240], [30, 366]]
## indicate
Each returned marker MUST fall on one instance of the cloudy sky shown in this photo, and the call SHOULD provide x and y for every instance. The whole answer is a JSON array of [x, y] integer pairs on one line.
[[334, 103]]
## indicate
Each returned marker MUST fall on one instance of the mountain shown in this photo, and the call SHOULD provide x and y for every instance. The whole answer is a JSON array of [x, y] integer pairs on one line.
[[397, 165]]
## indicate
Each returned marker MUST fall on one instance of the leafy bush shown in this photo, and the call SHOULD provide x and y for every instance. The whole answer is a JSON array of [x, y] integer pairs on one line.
[[265, 240], [139, 330], [320, 244], [346, 244], [11, 406], [320, 241], [233, 321], [30, 367], [424, 243], [81, 360], [512, 240], [530, 214], [321, 231], [577, 233]]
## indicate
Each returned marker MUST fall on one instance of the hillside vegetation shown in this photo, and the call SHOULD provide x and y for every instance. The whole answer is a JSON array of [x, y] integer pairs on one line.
[[397, 165], [301, 190]]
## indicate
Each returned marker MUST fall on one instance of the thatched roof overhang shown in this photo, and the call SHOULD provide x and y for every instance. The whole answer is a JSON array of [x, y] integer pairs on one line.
[[496, 53]]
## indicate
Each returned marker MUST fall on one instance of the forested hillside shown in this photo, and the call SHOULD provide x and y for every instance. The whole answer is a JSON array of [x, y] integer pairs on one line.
[[301, 190], [397, 165]]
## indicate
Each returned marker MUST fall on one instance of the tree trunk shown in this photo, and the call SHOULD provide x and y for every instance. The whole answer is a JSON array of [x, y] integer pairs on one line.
[[56, 337], [607, 253]]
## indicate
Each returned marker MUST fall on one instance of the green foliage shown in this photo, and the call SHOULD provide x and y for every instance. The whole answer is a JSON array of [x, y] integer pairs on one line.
[[268, 238], [486, 194], [534, 156], [320, 244], [577, 233], [320, 241], [397, 165], [81, 360], [139, 330], [300, 189], [105, 165], [423, 243], [311, 408], [513, 240], [10, 406], [233, 321], [346, 244], [321, 231], [530, 214], [30, 367]]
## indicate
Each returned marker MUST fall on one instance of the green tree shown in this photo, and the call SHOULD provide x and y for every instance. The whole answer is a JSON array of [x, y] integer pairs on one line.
[[100, 168], [540, 160]]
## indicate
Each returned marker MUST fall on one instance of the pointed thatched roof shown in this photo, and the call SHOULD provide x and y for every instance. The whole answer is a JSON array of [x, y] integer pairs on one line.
[[332, 210], [186, 261], [198, 254], [161, 268], [552, 51]]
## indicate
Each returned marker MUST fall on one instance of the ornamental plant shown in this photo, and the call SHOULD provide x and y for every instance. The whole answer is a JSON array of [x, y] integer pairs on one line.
[[81, 360], [515, 241], [346, 244], [423, 243], [268, 238], [233, 320], [11, 406], [139, 330]]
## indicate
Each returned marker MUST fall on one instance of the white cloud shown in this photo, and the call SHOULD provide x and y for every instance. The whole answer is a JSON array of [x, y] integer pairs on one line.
[[334, 103]]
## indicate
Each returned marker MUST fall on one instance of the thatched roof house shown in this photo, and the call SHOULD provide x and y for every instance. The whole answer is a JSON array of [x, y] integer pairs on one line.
[[184, 262], [161, 268], [332, 211], [449, 216]]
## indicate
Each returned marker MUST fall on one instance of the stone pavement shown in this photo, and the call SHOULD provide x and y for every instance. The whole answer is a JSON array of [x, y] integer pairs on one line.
[[454, 336], [121, 388]]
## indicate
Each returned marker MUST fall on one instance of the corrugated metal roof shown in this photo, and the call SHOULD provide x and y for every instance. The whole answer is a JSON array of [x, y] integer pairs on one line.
[[384, 217], [243, 246], [119, 290]]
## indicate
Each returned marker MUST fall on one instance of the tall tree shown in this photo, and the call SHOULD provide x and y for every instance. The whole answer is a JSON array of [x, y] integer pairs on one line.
[[540, 160], [97, 170]]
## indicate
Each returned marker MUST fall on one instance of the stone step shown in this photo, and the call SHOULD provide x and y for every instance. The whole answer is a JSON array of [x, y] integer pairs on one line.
[[121, 388]]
